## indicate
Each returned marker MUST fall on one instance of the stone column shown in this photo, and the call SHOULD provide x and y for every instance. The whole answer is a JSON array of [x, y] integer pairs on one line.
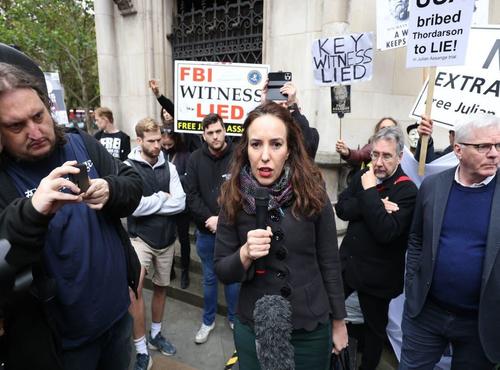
[[107, 58]]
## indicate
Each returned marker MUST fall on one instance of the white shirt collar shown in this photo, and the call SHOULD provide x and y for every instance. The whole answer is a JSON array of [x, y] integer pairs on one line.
[[485, 182]]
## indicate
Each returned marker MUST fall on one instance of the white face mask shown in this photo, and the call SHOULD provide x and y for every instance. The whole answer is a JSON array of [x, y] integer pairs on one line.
[[413, 138]]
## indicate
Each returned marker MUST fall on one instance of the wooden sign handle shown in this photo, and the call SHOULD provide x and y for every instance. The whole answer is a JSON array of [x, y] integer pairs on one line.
[[428, 109]]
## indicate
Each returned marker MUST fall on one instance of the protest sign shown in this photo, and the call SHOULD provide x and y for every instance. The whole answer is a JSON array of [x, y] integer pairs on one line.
[[343, 60], [56, 95], [481, 12], [341, 98], [228, 89], [438, 31], [472, 88], [392, 23]]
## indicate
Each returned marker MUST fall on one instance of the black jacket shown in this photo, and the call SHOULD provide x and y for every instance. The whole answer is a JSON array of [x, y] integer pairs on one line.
[[431, 153], [192, 141], [32, 340], [204, 177], [373, 250], [302, 265], [310, 134]]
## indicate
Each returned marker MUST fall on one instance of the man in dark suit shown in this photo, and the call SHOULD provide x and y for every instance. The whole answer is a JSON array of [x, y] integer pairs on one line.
[[379, 205], [453, 262]]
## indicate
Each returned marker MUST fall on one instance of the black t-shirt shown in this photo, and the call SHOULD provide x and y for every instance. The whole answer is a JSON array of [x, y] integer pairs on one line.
[[117, 144]]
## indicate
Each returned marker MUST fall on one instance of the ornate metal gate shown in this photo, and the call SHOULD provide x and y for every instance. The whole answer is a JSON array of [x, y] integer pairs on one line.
[[221, 31]]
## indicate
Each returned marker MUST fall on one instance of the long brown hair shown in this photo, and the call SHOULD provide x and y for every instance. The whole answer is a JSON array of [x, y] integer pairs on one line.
[[307, 182]]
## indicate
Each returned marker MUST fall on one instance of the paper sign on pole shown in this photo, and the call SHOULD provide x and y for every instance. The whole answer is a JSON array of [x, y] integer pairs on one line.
[[343, 60], [392, 23], [56, 95], [438, 32], [228, 89], [472, 88]]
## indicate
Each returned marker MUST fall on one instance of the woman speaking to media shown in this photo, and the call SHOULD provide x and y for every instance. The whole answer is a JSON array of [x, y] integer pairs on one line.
[[299, 244]]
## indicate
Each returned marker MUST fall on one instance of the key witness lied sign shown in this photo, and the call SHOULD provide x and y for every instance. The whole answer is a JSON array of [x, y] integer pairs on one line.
[[343, 60], [231, 90]]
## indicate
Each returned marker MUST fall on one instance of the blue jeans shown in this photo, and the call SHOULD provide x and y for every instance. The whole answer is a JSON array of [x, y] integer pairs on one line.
[[205, 245], [111, 351], [426, 336]]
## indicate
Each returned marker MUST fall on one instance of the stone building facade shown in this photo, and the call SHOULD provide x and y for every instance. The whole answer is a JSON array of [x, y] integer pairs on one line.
[[133, 47]]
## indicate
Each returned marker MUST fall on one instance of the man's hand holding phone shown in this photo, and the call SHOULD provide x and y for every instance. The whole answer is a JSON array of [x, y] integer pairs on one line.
[[48, 197], [95, 192]]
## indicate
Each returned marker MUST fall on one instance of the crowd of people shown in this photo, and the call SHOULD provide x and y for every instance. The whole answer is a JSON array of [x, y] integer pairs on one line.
[[86, 300]]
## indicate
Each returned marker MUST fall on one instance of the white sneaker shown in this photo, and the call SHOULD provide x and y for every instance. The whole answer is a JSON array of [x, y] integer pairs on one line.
[[231, 325], [203, 333]]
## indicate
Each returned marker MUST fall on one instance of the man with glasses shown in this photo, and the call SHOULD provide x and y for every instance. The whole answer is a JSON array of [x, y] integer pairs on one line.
[[379, 205], [453, 262]]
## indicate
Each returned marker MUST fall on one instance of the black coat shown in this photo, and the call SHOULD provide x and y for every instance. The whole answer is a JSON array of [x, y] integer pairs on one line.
[[373, 250], [32, 340], [204, 177], [302, 265]]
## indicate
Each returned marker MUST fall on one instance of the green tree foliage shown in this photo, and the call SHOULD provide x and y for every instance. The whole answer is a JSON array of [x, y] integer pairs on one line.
[[60, 36]]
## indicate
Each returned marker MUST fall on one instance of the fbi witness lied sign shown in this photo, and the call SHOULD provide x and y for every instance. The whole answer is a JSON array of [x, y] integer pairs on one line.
[[343, 60], [230, 90]]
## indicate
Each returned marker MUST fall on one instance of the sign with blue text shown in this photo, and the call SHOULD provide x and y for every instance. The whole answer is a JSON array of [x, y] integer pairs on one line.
[[231, 90]]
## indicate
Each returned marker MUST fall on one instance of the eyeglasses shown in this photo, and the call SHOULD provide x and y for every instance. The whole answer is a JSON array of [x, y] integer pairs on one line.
[[385, 157], [483, 147]]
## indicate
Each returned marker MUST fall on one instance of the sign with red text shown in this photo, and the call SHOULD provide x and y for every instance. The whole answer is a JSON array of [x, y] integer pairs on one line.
[[469, 89], [438, 31], [231, 90], [343, 60]]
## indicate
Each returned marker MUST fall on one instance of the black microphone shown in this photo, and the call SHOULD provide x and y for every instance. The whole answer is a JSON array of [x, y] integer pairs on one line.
[[273, 331], [261, 203]]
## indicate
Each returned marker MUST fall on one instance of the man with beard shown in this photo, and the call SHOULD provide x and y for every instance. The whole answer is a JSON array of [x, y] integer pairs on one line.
[[379, 205], [152, 231], [75, 314], [207, 169]]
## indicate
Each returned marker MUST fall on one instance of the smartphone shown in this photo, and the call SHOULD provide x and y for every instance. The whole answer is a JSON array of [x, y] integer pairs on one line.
[[275, 83], [81, 179]]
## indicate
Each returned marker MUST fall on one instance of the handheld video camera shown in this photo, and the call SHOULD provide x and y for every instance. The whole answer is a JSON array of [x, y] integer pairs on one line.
[[275, 83], [12, 279]]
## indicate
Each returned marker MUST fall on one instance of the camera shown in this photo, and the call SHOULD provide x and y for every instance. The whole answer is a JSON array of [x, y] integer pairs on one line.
[[275, 83], [11, 278], [81, 179]]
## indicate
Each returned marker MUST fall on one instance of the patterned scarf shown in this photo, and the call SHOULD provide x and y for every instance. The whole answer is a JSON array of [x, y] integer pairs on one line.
[[279, 193]]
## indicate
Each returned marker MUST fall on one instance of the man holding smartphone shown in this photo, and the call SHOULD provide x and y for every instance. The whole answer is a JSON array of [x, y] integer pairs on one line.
[[75, 315]]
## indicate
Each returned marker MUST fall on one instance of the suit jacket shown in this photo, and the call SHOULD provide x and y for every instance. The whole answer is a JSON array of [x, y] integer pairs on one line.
[[422, 248], [373, 250]]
